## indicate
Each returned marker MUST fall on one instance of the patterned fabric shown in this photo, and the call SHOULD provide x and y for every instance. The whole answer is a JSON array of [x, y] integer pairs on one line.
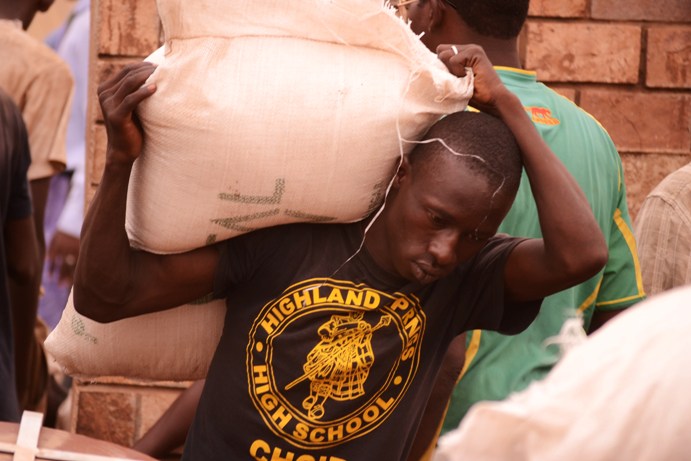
[[663, 230]]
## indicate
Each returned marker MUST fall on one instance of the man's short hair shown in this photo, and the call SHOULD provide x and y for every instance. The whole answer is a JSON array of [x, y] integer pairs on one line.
[[485, 144], [494, 18]]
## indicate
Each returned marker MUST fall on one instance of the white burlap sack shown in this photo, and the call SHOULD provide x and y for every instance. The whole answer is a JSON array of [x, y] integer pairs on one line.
[[621, 395], [175, 345], [269, 112], [266, 112]]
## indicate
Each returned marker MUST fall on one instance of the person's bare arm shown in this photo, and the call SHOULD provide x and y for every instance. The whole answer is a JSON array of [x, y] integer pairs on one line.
[[170, 431], [573, 248], [39, 198], [602, 317], [113, 280], [438, 402], [24, 280]]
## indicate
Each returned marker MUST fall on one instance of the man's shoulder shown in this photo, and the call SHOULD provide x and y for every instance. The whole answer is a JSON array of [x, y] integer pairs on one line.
[[676, 186], [12, 124], [296, 234], [549, 107], [29, 55]]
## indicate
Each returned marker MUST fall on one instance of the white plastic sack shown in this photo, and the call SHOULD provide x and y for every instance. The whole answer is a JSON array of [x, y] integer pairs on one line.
[[176, 345], [269, 112], [621, 395]]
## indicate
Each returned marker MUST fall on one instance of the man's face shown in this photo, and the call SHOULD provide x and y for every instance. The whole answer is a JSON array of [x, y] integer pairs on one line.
[[438, 219]]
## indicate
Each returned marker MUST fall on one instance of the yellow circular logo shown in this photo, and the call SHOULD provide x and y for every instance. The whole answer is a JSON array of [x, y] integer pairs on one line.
[[359, 349]]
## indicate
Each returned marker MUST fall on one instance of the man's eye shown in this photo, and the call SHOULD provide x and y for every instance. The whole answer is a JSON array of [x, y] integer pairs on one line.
[[435, 218]]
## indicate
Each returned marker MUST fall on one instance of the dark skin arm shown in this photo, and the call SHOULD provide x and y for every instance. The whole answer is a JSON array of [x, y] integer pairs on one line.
[[113, 280], [602, 317], [62, 248], [24, 280], [39, 198], [567, 254], [430, 425], [170, 431]]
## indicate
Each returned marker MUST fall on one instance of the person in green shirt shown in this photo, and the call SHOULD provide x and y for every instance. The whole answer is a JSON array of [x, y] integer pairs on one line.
[[493, 365]]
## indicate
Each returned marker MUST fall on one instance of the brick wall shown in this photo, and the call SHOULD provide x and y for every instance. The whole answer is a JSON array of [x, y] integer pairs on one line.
[[626, 62]]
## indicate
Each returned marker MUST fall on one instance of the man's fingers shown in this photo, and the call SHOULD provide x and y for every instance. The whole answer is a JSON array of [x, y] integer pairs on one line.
[[125, 82], [132, 99], [113, 83]]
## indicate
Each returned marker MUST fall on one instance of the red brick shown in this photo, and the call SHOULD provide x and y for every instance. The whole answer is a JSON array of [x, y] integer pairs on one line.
[[154, 402], [127, 27], [669, 57], [642, 172], [584, 52], [642, 10], [568, 93], [642, 122], [107, 415], [96, 160], [560, 9]]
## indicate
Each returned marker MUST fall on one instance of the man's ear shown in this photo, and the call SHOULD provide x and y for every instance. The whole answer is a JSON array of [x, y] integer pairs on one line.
[[403, 172], [437, 10]]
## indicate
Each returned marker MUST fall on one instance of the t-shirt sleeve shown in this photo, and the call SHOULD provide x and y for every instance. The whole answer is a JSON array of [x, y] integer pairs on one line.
[[245, 256], [235, 263], [485, 288], [622, 282], [46, 112]]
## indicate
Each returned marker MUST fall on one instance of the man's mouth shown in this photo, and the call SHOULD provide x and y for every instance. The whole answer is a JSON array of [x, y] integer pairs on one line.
[[425, 273]]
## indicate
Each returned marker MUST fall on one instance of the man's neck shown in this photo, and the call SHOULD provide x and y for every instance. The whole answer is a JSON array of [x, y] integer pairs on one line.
[[501, 52], [12, 12], [376, 242]]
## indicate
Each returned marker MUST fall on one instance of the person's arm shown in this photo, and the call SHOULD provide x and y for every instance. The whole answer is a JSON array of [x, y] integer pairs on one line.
[[573, 248], [438, 402], [113, 280], [24, 280], [39, 198], [602, 317], [63, 249], [170, 431]]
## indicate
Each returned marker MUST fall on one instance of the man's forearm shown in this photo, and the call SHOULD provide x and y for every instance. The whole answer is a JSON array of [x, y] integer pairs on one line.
[[570, 232], [103, 268], [39, 198]]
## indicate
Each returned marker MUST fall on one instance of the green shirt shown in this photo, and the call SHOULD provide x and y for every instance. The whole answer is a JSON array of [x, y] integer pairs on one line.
[[498, 365]]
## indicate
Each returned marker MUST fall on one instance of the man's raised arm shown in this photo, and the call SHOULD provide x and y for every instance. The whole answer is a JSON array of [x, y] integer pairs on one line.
[[113, 280], [572, 248]]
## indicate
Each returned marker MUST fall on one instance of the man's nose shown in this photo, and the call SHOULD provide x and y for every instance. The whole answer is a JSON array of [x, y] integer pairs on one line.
[[444, 248]]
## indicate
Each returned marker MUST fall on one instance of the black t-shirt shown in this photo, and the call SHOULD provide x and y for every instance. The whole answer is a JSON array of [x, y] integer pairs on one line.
[[15, 203], [325, 356]]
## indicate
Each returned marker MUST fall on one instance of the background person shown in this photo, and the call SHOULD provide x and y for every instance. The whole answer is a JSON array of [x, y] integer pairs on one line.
[[40, 83], [20, 273], [663, 230]]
